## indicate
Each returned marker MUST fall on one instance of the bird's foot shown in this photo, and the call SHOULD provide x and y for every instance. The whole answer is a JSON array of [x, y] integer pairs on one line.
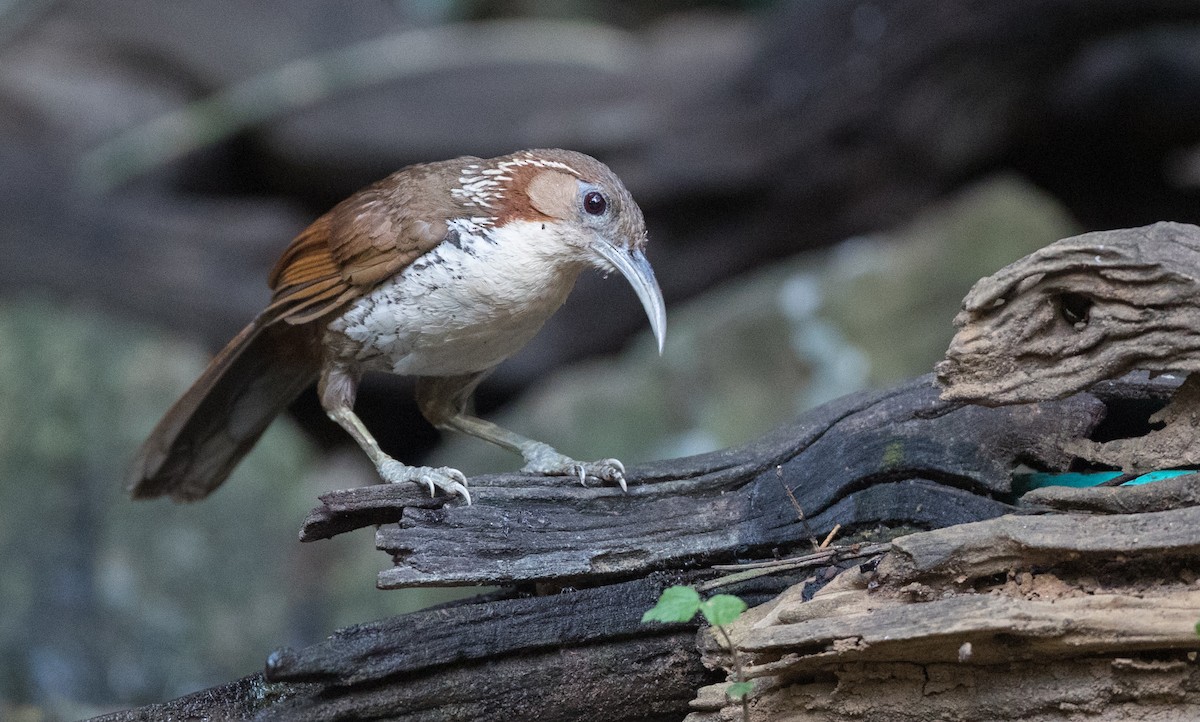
[[450, 481], [543, 459]]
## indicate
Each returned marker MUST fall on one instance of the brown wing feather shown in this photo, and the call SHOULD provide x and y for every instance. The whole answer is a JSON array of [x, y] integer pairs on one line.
[[360, 243]]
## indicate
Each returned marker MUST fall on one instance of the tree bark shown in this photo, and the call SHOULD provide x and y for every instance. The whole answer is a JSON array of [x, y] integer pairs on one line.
[[564, 640]]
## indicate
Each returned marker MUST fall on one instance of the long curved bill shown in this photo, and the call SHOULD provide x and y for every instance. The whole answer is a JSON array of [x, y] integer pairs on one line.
[[636, 269]]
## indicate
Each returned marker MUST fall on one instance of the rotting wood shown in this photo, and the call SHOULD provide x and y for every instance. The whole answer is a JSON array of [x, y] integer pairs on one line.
[[993, 546], [877, 463], [1082, 310], [369, 653], [1176, 493], [1058, 592], [1096, 690], [896, 457], [1098, 611]]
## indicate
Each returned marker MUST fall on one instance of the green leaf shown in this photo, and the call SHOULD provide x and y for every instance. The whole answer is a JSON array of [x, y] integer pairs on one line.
[[677, 604], [737, 690], [722, 609], [1198, 628]]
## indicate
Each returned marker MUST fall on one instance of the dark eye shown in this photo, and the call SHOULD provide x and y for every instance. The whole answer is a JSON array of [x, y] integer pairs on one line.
[[1074, 308], [595, 203]]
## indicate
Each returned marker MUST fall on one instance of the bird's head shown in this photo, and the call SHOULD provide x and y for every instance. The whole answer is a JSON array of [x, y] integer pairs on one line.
[[583, 203]]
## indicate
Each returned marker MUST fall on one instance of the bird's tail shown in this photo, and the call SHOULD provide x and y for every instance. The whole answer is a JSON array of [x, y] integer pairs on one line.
[[207, 432]]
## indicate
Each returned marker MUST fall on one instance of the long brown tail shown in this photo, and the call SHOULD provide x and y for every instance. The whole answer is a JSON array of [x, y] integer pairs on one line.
[[207, 432]]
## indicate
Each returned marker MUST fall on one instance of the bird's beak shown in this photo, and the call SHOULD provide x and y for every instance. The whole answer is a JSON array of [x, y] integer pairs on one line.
[[636, 269]]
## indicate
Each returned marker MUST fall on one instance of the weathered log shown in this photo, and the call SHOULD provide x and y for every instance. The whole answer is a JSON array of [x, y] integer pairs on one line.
[[1108, 604], [1081, 310], [1116, 500], [433, 638], [572, 646], [1100, 611], [897, 457], [561, 657]]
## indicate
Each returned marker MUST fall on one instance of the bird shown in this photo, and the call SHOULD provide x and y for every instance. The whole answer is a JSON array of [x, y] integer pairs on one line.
[[439, 271]]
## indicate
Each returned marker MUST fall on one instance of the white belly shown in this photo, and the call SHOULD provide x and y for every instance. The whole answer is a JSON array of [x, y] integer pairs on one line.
[[458, 309]]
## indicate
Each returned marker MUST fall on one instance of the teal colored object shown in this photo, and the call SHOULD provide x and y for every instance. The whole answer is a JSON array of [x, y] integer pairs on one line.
[[1024, 482]]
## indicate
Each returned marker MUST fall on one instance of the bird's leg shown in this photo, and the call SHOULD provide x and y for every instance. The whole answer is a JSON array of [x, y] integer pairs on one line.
[[337, 388], [445, 400]]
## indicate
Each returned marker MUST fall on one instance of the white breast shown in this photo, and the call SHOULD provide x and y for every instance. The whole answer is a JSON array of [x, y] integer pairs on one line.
[[461, 308]]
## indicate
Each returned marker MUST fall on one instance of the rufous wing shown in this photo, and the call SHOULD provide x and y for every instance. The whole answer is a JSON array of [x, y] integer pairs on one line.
[[360, 243]]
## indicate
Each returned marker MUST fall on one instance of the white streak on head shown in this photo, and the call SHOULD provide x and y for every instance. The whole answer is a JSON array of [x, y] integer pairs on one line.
[[529, 160]]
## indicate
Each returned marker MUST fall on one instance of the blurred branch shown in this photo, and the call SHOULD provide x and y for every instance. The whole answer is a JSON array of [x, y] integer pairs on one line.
[[310, 80]]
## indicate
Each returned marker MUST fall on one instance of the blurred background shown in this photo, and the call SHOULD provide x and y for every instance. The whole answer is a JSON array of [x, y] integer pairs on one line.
[[823, 181]]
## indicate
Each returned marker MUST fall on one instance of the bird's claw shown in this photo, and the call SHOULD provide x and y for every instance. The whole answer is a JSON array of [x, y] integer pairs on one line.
[[543, 459], [611, 470], [450, 481]]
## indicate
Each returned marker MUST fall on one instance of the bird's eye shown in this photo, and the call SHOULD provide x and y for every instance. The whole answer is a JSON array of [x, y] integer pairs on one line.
[[1074, 308], [595, 203]]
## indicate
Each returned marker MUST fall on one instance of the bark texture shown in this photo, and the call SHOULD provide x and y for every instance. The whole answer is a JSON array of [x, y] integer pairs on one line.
[[564, 640], [1081, 310], [1084, 613]]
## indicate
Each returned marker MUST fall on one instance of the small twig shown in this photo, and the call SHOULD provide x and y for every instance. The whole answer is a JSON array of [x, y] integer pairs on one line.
[[850, 551], [753, 570], [832, 533], [796, 503]]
